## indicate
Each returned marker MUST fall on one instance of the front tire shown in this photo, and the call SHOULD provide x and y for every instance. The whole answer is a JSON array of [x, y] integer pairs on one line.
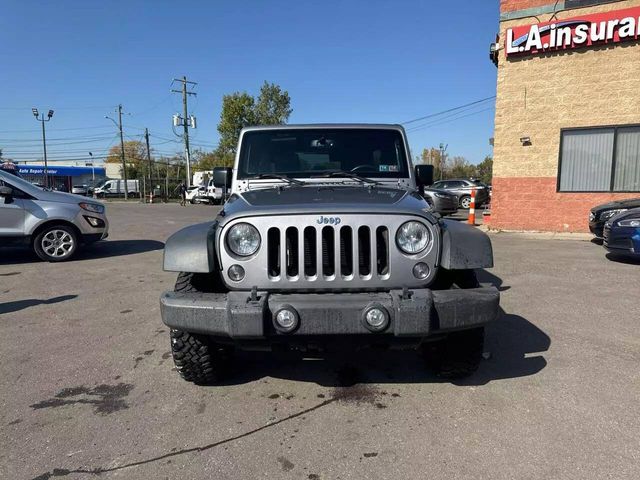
[[465, 202], [198, 358], [56, 243]]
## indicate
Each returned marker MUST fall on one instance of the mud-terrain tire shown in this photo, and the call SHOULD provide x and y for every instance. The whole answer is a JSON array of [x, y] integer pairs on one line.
[[456, 356], [198, 358]]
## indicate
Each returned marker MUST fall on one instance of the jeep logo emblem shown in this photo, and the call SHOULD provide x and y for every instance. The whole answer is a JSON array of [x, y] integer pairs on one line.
[[322, 220]]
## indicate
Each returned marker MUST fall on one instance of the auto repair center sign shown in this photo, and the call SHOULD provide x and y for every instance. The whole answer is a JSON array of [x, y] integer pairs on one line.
[[596, 29]]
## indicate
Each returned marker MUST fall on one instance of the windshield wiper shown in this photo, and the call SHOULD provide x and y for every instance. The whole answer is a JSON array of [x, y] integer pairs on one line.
[[354, 176], [275, 176]]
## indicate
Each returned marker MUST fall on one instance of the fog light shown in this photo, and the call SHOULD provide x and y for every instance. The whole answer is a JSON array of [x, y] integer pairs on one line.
[[376, 318], [94, 222], [421, 270], [286, 319], [236, 273]]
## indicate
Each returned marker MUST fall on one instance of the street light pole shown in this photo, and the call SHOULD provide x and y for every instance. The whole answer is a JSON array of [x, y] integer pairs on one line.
[[42, 119]]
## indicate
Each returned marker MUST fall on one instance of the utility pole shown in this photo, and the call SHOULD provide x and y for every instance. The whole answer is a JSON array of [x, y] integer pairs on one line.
[[443, 149], [185, 121], [124, 164], [42, 119], [146, 137]]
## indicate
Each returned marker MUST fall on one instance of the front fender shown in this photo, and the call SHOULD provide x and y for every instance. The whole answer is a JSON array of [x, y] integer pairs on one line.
[[191, 249], [464, 247]]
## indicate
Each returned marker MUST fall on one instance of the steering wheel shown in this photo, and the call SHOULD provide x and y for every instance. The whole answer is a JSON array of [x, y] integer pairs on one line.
[[370, 168]]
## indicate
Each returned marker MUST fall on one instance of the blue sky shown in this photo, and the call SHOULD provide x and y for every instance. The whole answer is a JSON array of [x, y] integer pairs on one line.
[[341, 61]]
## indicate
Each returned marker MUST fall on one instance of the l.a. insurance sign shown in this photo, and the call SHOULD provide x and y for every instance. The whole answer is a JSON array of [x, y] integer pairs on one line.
[[600, 28]]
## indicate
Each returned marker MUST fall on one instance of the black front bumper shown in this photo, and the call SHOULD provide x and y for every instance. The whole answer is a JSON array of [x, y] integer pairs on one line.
[[417, 313]]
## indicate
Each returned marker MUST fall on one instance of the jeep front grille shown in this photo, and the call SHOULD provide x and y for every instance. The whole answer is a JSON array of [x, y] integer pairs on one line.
[[329, 252], [298, 252]]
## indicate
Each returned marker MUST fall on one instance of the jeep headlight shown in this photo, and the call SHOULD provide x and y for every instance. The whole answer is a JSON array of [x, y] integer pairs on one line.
[[243, 239], [413, 237]]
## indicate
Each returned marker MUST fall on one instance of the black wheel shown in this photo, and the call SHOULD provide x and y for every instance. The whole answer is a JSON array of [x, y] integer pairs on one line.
[[56, 243], [198, 358], [456, 356], [465, 201]]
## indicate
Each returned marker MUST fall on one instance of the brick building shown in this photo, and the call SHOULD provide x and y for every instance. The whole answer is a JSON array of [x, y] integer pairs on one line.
[[567, 124]]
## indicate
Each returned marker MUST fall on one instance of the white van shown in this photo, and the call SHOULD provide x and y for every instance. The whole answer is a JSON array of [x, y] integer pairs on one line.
[[116, 187]]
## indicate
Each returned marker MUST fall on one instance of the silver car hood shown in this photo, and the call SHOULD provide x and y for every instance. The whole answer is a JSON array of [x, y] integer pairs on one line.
[[324, 200]]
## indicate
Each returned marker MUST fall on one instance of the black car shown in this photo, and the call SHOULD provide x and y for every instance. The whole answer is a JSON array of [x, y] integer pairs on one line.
[[600, 214], [622, 233]]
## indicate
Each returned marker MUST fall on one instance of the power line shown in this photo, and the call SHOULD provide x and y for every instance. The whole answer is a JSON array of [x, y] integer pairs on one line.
[[434, 124], [448, 110]]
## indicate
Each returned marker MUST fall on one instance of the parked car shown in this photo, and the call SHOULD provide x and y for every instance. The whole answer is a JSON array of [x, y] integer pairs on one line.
[[622, 233], [462, 188], [196, 194], [213, 193], [441, 201], [116, 187], [80, 190], [324, 243], [599, 215], [52, 223]]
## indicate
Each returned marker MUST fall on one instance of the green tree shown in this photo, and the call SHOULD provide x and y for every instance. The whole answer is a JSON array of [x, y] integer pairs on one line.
[[209, 160], [239, 110], [484, 170]]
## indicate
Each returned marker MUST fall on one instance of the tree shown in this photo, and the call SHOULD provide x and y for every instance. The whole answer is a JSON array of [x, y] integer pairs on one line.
[[239, 110], [484, 170], [209, 160], [135, 155], [459, 167]]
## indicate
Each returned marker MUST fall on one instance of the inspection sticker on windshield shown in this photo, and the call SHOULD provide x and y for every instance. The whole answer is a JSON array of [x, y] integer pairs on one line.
[[388, 168]]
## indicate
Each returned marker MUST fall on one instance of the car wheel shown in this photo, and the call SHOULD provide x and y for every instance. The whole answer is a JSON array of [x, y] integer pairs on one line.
[[465, 202], [456, 356], [198, 358], [56, 243], [192, 202]]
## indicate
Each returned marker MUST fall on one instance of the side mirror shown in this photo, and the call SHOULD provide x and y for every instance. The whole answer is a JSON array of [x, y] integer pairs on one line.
[[222, 177], [6, 191], [424, 175]]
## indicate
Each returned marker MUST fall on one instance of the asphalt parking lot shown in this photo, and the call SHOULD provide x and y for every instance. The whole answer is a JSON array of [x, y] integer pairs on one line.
[[88, 388]]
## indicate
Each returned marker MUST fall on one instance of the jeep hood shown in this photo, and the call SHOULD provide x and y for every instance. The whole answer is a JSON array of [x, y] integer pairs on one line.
[[324, 200]]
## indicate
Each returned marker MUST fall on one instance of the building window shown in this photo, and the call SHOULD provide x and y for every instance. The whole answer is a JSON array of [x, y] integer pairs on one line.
[[600, 160]]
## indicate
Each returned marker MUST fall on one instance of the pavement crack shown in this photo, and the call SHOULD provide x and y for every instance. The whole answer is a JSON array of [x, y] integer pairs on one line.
[[61, 472]]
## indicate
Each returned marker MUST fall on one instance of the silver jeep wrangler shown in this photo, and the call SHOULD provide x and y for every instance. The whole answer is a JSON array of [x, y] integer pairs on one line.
[[326, 241]]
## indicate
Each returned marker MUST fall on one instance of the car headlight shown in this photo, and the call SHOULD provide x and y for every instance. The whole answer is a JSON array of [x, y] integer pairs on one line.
[[630, 222], [442, 195], [592, 216], [413, 237], [611, 213], [243, 239], [92, 207]]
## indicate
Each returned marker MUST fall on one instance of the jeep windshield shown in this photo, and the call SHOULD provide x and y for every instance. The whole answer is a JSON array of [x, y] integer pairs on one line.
[[352, 153]]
